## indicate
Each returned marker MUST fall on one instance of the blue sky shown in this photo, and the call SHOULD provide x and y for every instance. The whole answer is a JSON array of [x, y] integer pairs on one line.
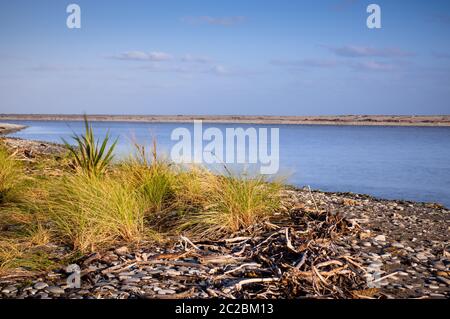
[[225, 57]]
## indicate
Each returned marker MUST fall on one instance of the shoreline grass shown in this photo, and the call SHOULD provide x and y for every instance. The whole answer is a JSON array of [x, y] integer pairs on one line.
[[87, 208], [11, 176]]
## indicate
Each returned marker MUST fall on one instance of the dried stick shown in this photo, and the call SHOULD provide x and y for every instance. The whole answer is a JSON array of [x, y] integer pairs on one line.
[[239, 285]]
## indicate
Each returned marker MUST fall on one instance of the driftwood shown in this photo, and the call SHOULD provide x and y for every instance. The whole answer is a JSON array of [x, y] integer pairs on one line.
[[295, 256]]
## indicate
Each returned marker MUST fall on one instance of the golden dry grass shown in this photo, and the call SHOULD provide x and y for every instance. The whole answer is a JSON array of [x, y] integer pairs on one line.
[[141, 198]]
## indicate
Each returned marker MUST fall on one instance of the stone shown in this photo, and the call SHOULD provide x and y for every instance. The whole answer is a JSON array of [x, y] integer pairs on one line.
[[40, 285], [122, 251], [43, 295], [421, 256], [380, 238], [166, 292], [55, 290], [439, 265], [131, 281], [9, 289], [433, 287], [443, 280]]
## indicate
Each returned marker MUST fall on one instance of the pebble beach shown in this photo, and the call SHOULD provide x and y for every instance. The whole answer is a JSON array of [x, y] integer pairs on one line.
[[319, 245]]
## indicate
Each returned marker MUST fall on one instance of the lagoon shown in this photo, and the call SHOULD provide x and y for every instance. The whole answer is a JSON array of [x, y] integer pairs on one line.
[[410, 163]]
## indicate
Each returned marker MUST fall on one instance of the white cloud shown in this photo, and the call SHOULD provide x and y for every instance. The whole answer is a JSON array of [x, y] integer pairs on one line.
[[196, 59], [220, 70], [352, 51], [374, 66], [144, 56], [316, 63]]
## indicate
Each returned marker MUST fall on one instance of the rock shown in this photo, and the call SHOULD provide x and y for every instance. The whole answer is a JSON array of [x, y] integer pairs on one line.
[[166, 292], [380, 238], [131, 281], [443, 280], [366, 244], [43, 295], [433, 287], [122, 251], [439, 265], [9, 289], [421, 256], [32, 291], [55, 290], [40, 285]]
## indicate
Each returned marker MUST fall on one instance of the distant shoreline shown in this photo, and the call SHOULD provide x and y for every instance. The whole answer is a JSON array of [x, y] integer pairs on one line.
[[362, 120]]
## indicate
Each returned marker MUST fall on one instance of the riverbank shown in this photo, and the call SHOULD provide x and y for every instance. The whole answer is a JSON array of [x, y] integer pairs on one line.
[[365, 120], [315, 245]]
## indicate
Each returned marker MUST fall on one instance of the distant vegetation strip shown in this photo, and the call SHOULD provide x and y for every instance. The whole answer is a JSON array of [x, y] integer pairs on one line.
[[371, 120]]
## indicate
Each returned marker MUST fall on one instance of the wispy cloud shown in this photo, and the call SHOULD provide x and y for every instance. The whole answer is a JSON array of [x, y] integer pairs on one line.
[[196, 59], [60, 68], [192, 68], [313, 63], [166, 68], [370, 65], [143, 56], [351, 51], [220, 21], [185, 64], [374, 66], [221, 70]]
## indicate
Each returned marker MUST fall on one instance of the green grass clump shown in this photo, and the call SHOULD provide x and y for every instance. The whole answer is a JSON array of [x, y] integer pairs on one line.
[[90, 212], [11, 176], [152, 178], [91, 156], [225, 204]]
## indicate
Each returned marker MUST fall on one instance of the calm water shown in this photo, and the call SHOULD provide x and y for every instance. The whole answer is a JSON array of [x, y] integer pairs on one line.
[[390, 162]]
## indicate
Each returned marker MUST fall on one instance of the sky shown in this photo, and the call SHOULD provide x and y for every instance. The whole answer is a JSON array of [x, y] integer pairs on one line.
[[247, 57]]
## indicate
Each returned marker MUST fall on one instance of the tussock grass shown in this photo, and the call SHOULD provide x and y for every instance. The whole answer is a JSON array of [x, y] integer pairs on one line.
[[224, 204], [11, 176], [91, 156], [90, 212], [152, 178]]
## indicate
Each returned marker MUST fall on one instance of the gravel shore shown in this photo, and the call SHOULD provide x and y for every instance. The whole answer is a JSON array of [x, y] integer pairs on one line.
[[320, 245], [10, 128]]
